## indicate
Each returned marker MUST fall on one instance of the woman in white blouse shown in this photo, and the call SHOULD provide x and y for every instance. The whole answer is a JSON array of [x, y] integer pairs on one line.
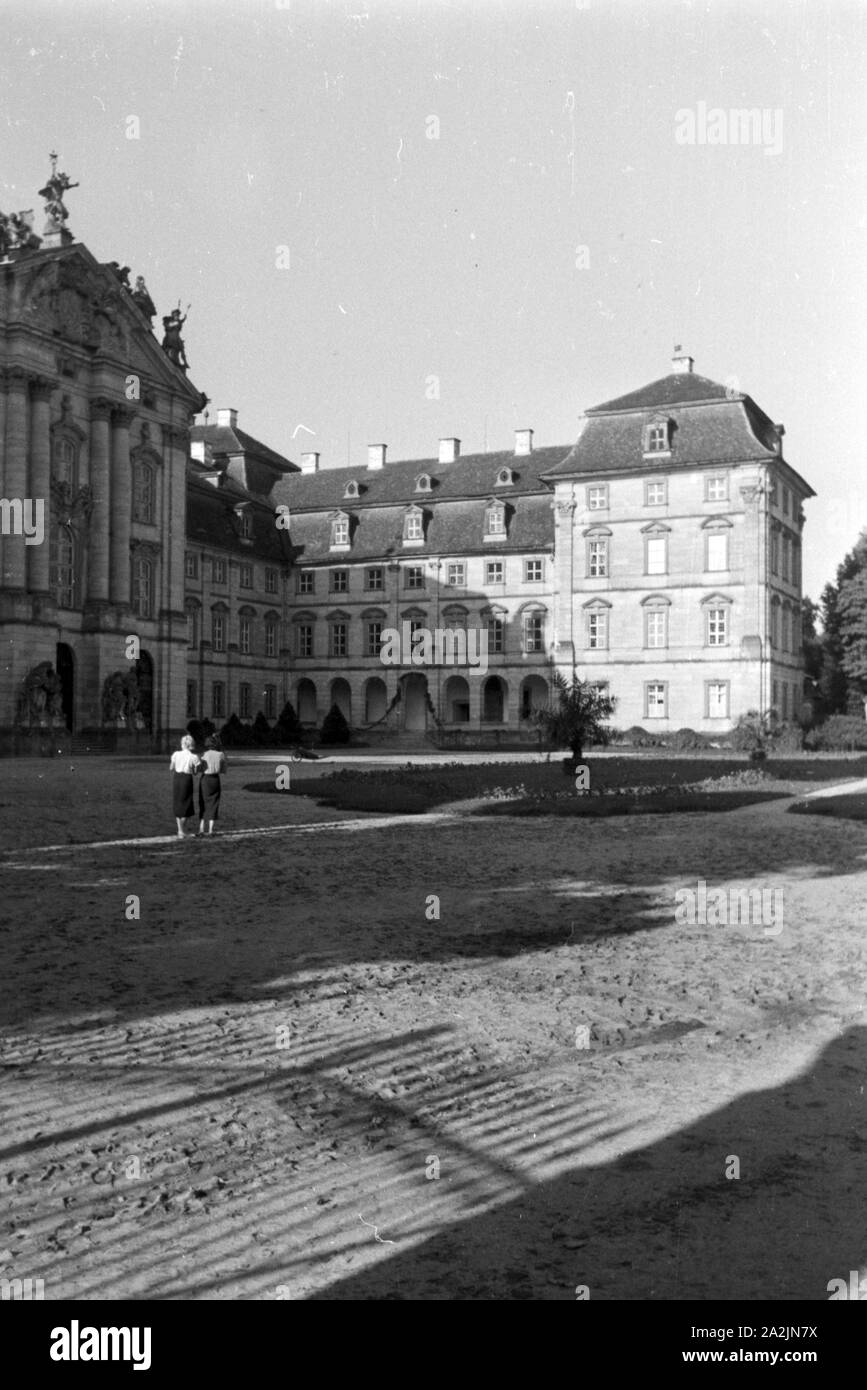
[[184, 765]]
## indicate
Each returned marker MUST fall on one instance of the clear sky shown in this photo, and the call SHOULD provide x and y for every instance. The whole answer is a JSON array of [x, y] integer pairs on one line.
[[432, 169]]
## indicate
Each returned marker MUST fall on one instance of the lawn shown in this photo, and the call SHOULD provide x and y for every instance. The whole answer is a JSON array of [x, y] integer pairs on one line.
[[543, 788]]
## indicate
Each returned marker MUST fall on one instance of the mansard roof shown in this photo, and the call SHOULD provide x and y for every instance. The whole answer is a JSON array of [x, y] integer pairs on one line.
[[212, 519], [678, 388], [469, 476], [223, 440], [455, 527]]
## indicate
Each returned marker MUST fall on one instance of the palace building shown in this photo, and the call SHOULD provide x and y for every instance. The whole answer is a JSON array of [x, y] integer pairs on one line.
[[156, 566]]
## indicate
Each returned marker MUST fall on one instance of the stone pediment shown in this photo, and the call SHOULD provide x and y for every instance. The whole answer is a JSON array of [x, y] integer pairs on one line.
[[83, 303]]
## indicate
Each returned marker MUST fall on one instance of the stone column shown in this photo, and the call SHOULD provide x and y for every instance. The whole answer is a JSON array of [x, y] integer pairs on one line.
[[100, 521], [121, 505], [40, 479], [15, 480]]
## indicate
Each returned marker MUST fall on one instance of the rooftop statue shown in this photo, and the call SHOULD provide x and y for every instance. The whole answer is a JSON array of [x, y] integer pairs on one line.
[[16, 232], [53, 193], [173, 343], [143, 299]]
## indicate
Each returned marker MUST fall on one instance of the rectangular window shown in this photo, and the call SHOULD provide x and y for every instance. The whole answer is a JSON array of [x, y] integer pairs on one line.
[[787, 551], [786, 497], [654, 494], [192, 699], [597, 557], [338, 639], [192, 627], [245, 522], [339, 581], [191, 565], [270, 701], [716, 487], [796, 561], [657, 439], [597, 628], [218, 632], [656, 627], [717, 627], [306, 582], [271, 638], [219, 571], [244, 692], [775, 552], [597, 498], [270, 581], [494, 572], [414, 577], [415, 625], [305, 639], [775, 697], [340, 531], [775, 493], [717, 550], [784, 702], [533, 571], [717, 699], [142, 587], [534, 632], [495, 522], [656, 548], [413, 529], [655, 700], [373, 638], [456, 575], [495, 628], [244, 636], [245, 576], [218, 700], [373, 579]]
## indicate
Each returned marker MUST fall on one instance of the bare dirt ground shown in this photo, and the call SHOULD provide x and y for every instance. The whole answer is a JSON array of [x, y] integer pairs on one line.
[[289, 1078]]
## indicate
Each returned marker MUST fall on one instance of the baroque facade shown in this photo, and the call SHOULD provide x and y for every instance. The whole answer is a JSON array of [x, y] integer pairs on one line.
[[153, 570]]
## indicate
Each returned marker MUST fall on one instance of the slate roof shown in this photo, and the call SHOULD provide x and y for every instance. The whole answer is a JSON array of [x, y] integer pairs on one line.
[[452, 527], [471, 475], [211, 520], [679, 388], [223, 440]]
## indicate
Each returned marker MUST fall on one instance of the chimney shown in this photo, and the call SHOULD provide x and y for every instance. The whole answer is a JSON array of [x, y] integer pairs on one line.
[[197, 450], [376, 455], [227, 419], [681, 361], [778, 443], [309, 463], [523, 441], [449, 450]]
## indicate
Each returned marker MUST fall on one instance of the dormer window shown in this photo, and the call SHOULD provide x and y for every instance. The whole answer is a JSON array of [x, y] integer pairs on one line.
[[657, 436], [351, 489], [245, 524], [505, 477], [423, 483], [495, 521], [340, 531], [413, 527]]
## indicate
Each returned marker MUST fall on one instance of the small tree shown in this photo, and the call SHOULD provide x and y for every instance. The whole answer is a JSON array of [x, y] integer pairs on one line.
[[289, 728], [578, 716], [262, 734], [334, 727]]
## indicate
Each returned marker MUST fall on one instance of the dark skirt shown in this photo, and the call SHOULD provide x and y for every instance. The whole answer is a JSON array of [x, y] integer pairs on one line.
[[182, 794], [209, 796]]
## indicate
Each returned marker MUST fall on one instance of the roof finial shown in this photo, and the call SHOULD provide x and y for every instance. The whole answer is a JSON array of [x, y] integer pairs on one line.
[[56, 232]]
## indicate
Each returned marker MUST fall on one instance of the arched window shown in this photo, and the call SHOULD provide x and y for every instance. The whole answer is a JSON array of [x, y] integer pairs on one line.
[[142, 586], [61, 561], [64, 458], [144, 492]]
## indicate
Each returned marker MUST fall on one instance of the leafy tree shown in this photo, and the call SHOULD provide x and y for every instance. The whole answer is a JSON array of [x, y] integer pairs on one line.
[[852, 611], [578, 716], [841, 685], [334, 727]]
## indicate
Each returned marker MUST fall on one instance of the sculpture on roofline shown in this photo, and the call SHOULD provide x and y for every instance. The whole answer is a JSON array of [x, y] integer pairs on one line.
[[142, 298], [53, 192], [173, 343]]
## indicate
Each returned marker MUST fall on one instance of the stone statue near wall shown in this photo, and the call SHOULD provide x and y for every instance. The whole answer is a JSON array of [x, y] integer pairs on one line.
[[121, 700], [41, 698]]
